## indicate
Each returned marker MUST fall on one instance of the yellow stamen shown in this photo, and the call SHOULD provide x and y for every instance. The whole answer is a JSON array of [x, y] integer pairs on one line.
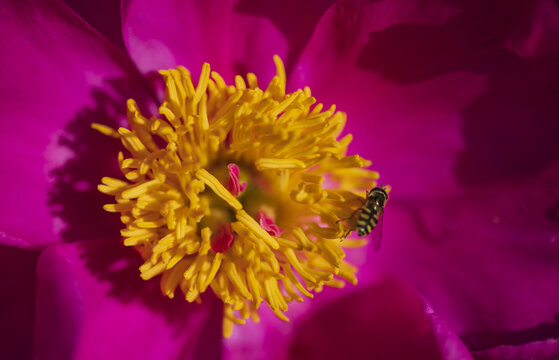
[[219, 189], [267, 164], [175, 200], [105, 130], [252, 225]]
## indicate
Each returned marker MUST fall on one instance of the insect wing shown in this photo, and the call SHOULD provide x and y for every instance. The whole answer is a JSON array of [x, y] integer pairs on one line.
[[376, 234]]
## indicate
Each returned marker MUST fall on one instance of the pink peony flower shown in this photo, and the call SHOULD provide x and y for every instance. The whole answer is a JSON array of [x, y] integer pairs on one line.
[[455, 102]]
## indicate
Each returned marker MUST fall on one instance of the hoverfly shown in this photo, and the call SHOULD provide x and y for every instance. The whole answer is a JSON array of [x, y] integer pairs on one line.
[[370, 215]]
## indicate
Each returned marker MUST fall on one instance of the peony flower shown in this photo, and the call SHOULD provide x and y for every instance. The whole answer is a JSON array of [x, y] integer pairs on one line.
[[454, 101]]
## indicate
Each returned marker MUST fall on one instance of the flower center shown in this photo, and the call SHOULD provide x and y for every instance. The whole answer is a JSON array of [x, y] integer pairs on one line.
[[240, 190]]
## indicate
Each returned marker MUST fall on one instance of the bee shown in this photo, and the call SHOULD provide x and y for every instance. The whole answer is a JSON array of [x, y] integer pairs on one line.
[[370, 215]]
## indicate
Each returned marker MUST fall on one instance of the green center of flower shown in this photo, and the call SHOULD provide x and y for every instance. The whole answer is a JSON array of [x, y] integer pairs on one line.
[[243, 197]]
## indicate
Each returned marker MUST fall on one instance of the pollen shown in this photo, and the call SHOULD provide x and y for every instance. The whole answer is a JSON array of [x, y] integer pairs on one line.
[[238, 190]]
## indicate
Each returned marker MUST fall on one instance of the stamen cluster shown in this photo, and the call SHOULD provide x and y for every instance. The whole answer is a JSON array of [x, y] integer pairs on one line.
[[240, 190]]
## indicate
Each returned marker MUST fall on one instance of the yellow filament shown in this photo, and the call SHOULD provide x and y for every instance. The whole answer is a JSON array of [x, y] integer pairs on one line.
[[218, 189], [266, 164], [105, 130], [253, 226]]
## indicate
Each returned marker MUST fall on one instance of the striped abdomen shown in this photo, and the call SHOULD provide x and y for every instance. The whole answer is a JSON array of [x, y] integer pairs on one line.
[[368, 218]]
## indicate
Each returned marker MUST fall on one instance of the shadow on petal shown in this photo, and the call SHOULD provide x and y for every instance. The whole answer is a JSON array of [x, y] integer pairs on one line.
[[117, 266], [17, 305], [77, 204], [103, 15], [74, 200], [538, 350], [482, 340], [510, 129], [295, 19], [54, 67]]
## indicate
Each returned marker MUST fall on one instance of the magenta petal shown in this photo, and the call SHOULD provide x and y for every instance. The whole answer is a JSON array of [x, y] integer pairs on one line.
[[384, 116], [463, 126], [434, 94], [487, 263], [58, 75], [449, 344], [164, 34], [92, 304], [383, 321], [235, 37]]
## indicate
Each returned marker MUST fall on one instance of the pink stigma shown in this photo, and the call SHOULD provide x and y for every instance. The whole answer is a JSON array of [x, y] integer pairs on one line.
[[269, 225], [223, 239], [234, 186]]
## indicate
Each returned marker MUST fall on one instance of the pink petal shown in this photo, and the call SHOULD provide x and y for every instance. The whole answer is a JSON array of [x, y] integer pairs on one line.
[[235, 37], [385, 319], [385, 116], [450, 346], [487, 263], [463, 125], [433, 93], [58, 75], [91, 304], [211, 32]]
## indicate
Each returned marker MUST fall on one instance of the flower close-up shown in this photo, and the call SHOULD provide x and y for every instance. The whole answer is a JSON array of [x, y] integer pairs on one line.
[[193, 221], [280, 180]]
